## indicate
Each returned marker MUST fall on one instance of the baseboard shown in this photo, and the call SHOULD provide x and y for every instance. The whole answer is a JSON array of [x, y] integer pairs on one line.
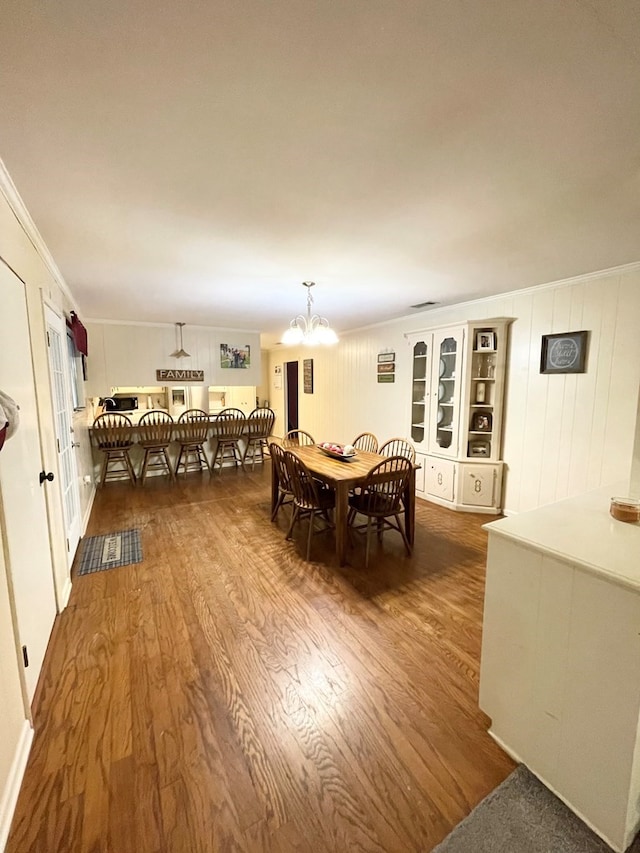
[[9, 796], [87, 512], [510, 752], [66, 592]]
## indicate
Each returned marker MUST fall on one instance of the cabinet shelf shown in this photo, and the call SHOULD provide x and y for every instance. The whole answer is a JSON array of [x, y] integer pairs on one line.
[[480, 432], [483, 379]]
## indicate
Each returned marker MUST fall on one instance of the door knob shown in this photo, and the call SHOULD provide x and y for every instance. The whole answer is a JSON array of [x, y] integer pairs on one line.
[[44, 476], [75, 444]]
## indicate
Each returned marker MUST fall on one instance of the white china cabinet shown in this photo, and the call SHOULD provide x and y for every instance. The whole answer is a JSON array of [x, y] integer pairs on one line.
[[457, 398]]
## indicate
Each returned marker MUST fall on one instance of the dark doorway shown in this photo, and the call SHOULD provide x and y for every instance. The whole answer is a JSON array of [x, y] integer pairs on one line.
[[291, 379]]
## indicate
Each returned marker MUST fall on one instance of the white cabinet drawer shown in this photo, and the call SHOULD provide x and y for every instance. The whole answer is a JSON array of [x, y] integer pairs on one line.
[[440, 478]]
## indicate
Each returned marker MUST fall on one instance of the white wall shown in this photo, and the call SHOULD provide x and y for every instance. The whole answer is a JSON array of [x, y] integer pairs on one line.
[[564, 434], [21, 249], [130, 353]]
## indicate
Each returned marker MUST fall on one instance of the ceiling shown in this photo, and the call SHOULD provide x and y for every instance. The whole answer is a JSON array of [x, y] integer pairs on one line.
[[196, 162]]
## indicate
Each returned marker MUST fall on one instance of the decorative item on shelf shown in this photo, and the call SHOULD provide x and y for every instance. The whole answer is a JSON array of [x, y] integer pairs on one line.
[[442, 392], [443, 368], [181, 351], [482, 421], [309, 330], [564, 353], [485, 341], [481, 447], [481, 392]]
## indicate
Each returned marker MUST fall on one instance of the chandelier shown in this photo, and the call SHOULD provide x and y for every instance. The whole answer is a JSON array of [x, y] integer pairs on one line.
[[309, 330], [180, 353]]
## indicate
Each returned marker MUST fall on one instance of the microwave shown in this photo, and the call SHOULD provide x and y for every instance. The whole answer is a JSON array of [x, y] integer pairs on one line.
[[119, 403]]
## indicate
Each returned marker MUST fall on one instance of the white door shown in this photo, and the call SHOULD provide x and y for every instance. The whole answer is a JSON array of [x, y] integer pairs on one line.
[[63, 407], [23, 511]]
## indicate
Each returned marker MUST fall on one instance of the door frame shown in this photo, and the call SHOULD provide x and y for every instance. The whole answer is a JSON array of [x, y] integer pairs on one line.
[[72, 526]]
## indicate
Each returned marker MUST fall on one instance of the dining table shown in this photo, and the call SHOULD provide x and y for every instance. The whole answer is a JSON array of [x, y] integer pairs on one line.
[[343, 475]]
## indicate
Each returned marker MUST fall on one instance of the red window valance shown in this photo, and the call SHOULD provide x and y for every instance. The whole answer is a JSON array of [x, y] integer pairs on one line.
[[79, 333]]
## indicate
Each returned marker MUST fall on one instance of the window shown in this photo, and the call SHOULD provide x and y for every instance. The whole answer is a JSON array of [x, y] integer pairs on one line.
[[75, 373]]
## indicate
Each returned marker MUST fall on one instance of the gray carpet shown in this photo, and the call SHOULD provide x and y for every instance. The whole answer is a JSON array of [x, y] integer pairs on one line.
[[109, 551], [522, 816]]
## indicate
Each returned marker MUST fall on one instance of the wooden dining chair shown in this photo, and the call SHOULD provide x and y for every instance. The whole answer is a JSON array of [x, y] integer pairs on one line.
[[311, 498], [398, 447], [111, 433], [366, 441], [155, 431], [297, 438], [258, 429], [228, 431], [285, 491], [191, 433], [380, 500]]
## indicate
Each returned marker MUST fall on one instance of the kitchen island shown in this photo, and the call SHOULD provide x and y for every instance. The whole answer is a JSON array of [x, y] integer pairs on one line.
[[560, 672]]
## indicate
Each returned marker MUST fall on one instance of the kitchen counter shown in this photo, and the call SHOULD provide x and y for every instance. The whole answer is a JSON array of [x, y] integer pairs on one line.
[[560, 671]]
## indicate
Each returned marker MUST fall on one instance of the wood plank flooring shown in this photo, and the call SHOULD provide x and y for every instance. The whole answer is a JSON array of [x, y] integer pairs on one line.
[[225, 695]]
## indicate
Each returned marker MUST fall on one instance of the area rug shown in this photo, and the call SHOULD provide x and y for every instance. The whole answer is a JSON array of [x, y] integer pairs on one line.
[[522, 816], [110, 551]]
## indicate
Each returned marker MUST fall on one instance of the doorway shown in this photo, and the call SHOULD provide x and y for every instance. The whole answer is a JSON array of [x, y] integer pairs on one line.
[[291, 394], [24, 514]]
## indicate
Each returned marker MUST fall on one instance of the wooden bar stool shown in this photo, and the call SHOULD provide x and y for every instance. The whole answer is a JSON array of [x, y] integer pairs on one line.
[[228, 429], [191, 432], [155, 430], [258, 429], [112, 435]]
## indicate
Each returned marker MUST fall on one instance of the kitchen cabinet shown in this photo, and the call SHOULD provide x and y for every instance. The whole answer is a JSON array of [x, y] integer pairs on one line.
[[456, 411], [241, 397], [560, 670]]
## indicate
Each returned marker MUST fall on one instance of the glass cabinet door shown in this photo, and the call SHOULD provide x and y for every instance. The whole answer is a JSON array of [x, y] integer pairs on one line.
[[420, 392], [446, 382]]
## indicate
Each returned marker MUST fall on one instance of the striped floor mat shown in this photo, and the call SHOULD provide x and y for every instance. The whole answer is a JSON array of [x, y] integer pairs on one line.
[[110, 551]]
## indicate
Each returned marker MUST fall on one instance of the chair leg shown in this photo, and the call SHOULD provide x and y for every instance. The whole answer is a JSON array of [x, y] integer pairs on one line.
[[312, 515], [404, 536], [366, 553], [294, 517], [165, 456], [103, 470], [132, 473], [143, 470]]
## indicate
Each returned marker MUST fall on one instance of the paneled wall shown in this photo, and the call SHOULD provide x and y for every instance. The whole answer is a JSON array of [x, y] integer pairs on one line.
[[130, 353], [564, 434]]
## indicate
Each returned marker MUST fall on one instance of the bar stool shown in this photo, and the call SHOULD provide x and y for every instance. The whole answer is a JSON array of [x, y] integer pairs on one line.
[[154, 429], [258, 429], [191, 433], [228, 429], [111, 433]]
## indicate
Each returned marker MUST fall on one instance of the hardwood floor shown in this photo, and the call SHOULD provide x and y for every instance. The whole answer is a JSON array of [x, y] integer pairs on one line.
[[225, 695]]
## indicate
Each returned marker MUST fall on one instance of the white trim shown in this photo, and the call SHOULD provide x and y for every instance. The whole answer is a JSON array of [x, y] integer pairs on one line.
[[87, 512], [11, 194], [9, 796], [170, 325], [65, 594]]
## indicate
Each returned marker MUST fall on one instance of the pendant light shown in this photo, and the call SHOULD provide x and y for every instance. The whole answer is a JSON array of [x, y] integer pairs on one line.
[[309, 330], [180, 353]]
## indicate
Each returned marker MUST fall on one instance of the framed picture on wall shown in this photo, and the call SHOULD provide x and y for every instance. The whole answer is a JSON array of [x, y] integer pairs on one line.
[[564, 353], [307, 375]]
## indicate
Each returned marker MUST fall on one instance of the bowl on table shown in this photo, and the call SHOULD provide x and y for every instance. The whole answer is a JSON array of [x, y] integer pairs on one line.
[[343, 452]]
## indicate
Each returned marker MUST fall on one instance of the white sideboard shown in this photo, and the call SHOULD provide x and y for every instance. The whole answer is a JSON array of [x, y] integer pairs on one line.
[[560, 672]]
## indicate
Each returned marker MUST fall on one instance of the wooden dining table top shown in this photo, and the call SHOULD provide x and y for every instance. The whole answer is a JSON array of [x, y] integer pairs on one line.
[[337, 470]]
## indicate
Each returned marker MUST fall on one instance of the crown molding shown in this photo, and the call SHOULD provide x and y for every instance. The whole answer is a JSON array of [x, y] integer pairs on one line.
[[622, 269], [19, 210]]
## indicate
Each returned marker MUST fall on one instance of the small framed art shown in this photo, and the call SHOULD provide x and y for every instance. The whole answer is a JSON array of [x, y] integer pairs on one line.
[[564, 353]]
